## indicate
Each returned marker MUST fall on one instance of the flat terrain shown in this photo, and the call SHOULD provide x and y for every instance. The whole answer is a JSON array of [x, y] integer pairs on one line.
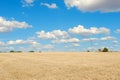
[[60, 66]]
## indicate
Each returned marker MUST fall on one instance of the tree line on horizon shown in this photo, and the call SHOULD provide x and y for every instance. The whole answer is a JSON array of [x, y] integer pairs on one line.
[[32, 51]]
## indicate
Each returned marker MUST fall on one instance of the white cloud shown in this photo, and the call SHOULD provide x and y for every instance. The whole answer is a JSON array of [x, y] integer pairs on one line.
[[52, 35], [94, 5], [51, 6], [69, 40], [27, 3], [80, 30], [117, 31], [89, 39], [108, 38], [75, 44], [19, 42], [98, 39], [16, 44], [61, 34], [7, 25], [45, 35]]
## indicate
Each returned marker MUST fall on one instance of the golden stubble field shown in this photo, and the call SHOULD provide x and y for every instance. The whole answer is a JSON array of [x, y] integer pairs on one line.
[[60, 66]]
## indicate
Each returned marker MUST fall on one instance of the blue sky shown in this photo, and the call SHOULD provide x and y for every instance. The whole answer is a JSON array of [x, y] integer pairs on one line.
[[59, 25]]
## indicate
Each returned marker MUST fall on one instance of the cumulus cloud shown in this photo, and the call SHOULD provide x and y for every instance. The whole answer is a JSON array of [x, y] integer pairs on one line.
[[12, 44], [52, 35], [20, 41], [45, 35], [75, 44], [89, 39], [51, 6], [99, 39], [80, 30], [26, 3], [108, 38], [7, 25], [69, 40], [59, 36], [94, 5]]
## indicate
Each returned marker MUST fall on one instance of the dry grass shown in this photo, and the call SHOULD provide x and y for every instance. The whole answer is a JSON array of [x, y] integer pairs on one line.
[[60, 66]]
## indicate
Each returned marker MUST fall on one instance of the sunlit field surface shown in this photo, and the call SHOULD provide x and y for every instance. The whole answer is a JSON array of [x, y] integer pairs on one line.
[[60, 66]]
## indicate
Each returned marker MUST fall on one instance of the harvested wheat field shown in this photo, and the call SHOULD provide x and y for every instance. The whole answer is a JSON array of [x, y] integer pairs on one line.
[[60, 66]]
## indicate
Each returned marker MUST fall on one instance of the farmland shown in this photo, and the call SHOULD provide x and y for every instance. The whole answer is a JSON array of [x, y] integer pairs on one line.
[[60, 66]]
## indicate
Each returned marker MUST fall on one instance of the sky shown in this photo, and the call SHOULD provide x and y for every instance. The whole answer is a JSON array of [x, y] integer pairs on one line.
[[59, 25]]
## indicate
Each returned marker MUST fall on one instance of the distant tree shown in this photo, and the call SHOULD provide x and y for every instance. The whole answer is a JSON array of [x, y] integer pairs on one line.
[[88, 51], [31, 51], [105, 50], [19, 51], [12, 51], [40, 51]]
